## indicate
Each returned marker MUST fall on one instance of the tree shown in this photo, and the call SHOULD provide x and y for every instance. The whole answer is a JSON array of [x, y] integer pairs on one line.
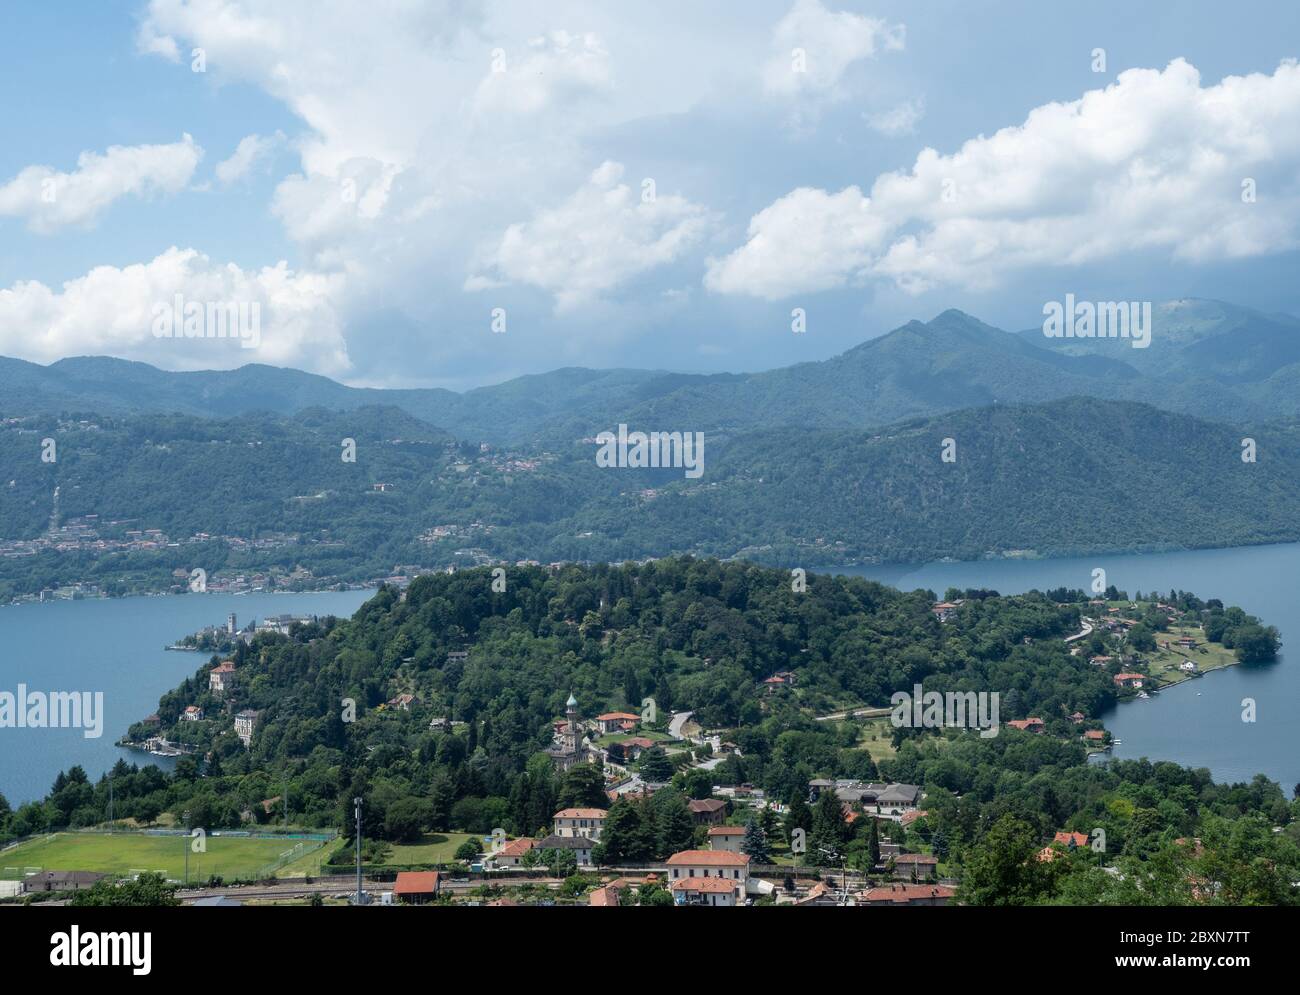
[[628, 836], [797, 816], [755, 843], [674, 824], [1003, 869], [584, 787], [655, 765], [406, 819], [1255, 644], [828, 829], [144, 890], [469, 849]]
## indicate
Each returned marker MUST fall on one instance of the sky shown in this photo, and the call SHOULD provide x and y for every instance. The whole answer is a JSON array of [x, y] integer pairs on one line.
[[452, 193]]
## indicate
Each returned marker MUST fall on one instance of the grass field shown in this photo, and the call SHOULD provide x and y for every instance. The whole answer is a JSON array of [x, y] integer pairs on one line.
[[1163, 664], [227, 857], [435, 848]]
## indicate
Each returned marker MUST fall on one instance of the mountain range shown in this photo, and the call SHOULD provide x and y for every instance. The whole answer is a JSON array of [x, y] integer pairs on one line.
[[947, 438], [1207, 358]]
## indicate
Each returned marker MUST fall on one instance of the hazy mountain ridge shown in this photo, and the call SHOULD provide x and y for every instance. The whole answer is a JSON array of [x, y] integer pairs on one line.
[[1208, 359]]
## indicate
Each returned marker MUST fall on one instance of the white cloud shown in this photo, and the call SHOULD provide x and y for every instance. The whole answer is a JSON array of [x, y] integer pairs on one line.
[[601, 236], [50, 199], [813, 47], [110, 311], [1152, 162], [251, 151], [558, 67], [901, 119], [808, 240]]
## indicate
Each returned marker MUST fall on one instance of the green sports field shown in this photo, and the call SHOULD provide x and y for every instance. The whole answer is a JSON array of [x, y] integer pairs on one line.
[[228, 857]]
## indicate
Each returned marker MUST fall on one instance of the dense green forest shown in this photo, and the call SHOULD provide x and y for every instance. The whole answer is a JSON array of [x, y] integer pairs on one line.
[[1065, 477], [702, 635]]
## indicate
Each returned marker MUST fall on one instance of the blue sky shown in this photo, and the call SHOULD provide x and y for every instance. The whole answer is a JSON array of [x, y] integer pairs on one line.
[[407, 168]]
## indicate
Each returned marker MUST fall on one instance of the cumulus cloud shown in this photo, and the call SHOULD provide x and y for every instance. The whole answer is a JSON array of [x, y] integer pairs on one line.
[[601, 236], [556, 67], [1154, 161], [111, 311], [813, 47], [252, 151], [808, 240], [50, 200]]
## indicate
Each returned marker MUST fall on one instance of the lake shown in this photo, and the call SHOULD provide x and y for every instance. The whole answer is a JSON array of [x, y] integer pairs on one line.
[[114, 646], [1197, 723]]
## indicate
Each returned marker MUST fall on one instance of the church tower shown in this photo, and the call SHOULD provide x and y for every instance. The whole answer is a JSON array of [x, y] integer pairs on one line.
[[572, 738]]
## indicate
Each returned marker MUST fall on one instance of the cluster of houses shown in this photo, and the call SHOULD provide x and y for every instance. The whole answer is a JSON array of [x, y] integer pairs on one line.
[[884, 801]]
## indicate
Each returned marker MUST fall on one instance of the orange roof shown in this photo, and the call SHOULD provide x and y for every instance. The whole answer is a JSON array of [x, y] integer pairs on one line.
[[516, 848], [717, 886], [726, 830], [580, 813], [640, 741], [913, 815], [903, 893], [707, 858], [615, 716], [1130, 677], [603, 897], [1079, 839], [915, 858], [416, 883], [224, 668]]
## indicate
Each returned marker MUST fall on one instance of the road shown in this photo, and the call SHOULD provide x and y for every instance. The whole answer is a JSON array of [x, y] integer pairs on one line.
[[1085, 631], [675, 724]]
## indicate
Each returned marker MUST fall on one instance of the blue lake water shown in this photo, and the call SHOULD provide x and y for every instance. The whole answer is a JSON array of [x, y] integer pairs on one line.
[[114, 646], [1197, 723]]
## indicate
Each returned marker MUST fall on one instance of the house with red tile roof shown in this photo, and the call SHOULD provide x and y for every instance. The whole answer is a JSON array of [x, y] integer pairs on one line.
[[221, 678], [708, 877], [616, 721], [416, 887], [511, 853], [1027, 725], [1129, 680], [906, 894]]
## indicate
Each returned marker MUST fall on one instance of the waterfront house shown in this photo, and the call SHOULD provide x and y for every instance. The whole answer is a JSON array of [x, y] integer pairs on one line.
[[192, 713], [1129, 680]]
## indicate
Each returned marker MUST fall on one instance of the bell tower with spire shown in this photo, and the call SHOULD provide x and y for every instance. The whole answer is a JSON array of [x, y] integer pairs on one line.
[[572, 739]]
